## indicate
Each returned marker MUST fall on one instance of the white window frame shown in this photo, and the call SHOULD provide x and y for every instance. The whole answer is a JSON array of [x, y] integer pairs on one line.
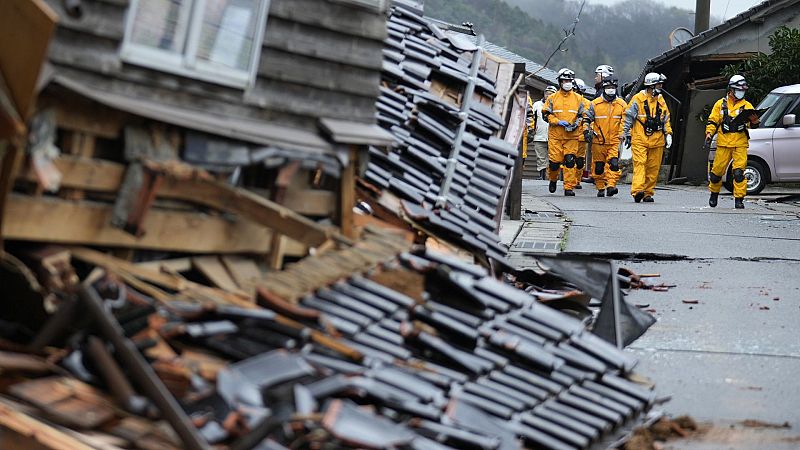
[[185, 63]]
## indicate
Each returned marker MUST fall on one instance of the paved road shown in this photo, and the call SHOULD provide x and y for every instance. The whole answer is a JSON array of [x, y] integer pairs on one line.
[[736, 354]]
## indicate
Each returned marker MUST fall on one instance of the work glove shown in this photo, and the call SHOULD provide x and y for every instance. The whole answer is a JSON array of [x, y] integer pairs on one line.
[[563, 123], [668, 141], [626, 140], [588, 135]]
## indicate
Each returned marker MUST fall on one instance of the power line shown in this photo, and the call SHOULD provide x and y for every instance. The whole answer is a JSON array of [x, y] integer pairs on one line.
[[725, 14], [567, 34]]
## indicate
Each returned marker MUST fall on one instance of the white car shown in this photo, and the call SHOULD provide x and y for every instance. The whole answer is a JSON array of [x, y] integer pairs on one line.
[[774, 154]]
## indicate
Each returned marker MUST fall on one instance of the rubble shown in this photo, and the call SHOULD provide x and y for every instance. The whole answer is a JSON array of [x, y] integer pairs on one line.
[[471, 350], [154, 302]]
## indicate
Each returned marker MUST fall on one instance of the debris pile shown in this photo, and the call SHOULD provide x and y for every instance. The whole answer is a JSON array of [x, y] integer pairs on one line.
[[423, 352], [448, 166]]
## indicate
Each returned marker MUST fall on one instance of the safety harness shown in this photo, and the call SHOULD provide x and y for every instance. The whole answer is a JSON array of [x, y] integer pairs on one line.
[[727, 121], [651, 123]]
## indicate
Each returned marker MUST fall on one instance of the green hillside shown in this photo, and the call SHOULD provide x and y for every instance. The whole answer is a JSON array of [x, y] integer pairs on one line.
[[624, 35]]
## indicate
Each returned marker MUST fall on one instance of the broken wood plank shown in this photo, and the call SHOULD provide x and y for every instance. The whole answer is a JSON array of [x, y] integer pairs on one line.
[[96, 258], [10, 158], [25, 31], [167, 265], [105, 176], [82, 173], [212, 268], [67, 401], [35, 433], [32, 219], [248, 204], [245, 271]]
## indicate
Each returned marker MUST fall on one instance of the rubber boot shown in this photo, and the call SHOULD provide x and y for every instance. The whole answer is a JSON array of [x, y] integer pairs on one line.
[[712, 200], [738, 203], [648, 199], [611, 191], [638, 197], [601, 193], [578, 186], [552, 186], [569, 193], [543, 174]]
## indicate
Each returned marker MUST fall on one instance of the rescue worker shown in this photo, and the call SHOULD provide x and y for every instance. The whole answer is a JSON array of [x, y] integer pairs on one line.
[[606, 115], [647, 131], [732, 142], [602, 71], [564, 112], [537, 133], [580, 160]]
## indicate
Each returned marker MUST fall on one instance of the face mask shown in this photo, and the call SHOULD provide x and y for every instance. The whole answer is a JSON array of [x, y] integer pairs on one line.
[[656, 91], [567, 86], [739, 94], [611, 92]]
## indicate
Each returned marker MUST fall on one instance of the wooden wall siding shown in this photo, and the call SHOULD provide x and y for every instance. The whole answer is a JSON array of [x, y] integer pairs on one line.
[[318, 59], [330, 16], [308, 40], [191, 101]]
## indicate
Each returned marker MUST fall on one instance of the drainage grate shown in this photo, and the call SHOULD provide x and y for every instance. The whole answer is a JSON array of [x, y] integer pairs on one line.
[[536, 245]]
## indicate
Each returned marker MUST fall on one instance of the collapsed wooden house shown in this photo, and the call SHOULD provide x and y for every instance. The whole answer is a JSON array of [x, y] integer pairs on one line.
[[276, 96]]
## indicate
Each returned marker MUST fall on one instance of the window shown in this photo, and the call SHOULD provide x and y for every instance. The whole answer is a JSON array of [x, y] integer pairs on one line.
[[777, 104], [212, 40]]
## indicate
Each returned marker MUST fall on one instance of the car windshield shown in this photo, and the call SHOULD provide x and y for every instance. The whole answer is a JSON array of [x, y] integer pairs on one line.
[[777, 104]]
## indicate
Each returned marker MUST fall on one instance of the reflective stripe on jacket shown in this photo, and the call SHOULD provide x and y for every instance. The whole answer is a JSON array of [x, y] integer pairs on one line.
[[715, 123], [564, 106], [607, 120]]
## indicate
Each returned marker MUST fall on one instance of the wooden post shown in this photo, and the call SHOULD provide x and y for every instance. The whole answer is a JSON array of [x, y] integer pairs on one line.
[[515, 190], [347, 195], [10, 156], [278, 245]]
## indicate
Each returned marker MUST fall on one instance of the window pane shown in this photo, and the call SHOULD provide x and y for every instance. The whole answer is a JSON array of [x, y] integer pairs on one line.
[[774, 116], [161, 24], [227, 33]]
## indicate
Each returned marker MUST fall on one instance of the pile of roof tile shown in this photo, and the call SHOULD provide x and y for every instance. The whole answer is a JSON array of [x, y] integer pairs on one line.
[[425, 126], [423, 352]]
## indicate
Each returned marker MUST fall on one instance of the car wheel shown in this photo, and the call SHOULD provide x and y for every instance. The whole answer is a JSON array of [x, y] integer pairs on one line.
[[756, 175]]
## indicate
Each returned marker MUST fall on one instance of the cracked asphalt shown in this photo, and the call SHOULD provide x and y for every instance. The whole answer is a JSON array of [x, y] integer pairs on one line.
[[733, 356]]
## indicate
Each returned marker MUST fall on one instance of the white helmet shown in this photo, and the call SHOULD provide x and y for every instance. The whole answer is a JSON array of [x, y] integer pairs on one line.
[[581, 85], [604, 70], [737, 82], [566, 74], [663, 77], [550, 90], [652, 79]]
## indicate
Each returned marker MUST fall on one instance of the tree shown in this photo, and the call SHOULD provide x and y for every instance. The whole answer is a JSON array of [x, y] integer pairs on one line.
[[766, 72]]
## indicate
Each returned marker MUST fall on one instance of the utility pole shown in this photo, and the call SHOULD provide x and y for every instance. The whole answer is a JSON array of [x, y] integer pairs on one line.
[[702, 13]]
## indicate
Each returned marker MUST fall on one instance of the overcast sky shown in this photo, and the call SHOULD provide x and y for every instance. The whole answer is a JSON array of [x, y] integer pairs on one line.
[[718, 7]]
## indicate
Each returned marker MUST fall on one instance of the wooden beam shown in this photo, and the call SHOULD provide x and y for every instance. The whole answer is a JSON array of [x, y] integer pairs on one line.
[[31, 432], [25, 30], [101, 259], [244, 271], [106, 176], [212, 268], [250, 205], [59, 221], [10, 157], [98, 175], [82, 173]]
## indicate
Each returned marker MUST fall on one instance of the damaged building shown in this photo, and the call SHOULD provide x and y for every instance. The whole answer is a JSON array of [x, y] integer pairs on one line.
[[156, 192]]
